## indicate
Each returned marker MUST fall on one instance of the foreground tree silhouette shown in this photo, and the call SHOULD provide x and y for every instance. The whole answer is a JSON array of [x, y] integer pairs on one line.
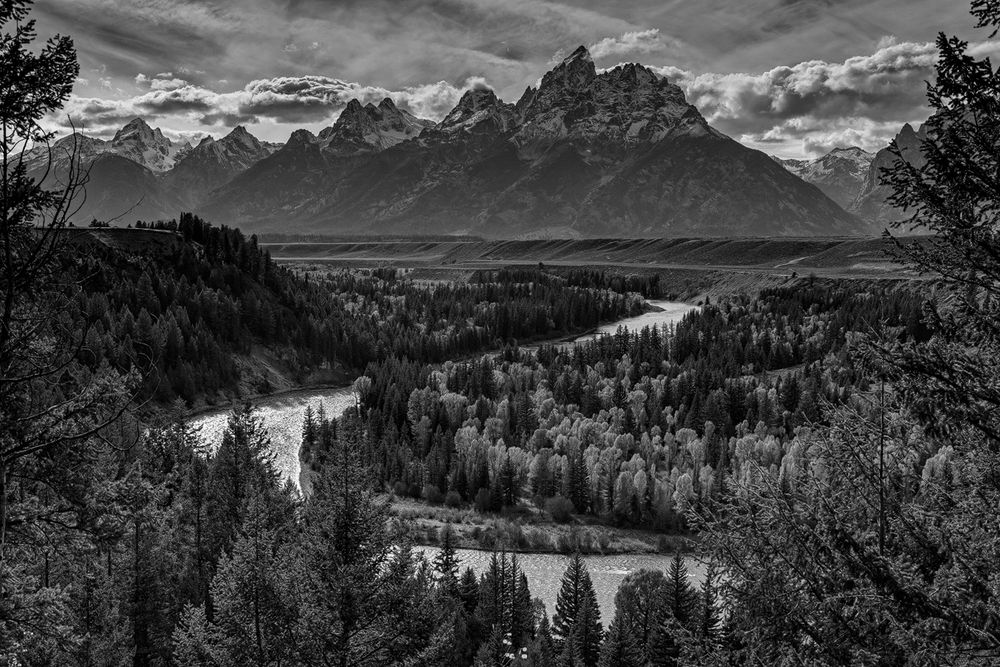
[[54, 414], [873, 549]]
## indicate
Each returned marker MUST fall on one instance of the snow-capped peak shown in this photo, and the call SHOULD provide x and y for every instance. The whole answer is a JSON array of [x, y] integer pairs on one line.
[[370, 128], [140, 143], [476, 106]]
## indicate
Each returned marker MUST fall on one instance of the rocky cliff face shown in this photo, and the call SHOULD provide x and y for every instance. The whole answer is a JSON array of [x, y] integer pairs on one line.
[[370, 128], [140, 143], [872, 203]]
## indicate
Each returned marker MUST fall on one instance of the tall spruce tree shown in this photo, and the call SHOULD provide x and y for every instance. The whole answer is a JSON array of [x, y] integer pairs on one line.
[[577, 620], [446, 561], [681, 597]]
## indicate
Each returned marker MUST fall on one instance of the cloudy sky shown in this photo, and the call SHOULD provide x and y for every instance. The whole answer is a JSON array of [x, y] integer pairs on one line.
[[791, 77]]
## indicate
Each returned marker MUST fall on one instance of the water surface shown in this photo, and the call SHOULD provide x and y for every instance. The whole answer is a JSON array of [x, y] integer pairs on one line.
[[545, 571]]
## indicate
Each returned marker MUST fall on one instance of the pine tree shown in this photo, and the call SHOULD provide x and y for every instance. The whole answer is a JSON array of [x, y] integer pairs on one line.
[[577, 614], [542, 651], [446, 562], [253, 612], [620, 648], [523, 614], [468, 590], [240, 470], [682, 599], [664, 647]]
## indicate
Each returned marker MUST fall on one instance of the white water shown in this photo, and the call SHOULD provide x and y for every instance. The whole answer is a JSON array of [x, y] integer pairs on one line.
[[545, 571], [283, 415]]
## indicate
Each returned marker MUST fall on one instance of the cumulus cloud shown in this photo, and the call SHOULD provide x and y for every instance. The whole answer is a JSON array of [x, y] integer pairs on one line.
[[640, 41], [821, 103], [162, 81], [288, 99]]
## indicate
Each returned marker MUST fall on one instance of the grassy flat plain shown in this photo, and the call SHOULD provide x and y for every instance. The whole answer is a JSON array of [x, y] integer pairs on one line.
[[690, 268]]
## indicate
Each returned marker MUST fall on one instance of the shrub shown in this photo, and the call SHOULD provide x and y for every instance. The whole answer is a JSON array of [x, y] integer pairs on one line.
[[453, 499], [483, 501], [539, 539], [399, 489], [433, 495], [560, 508]]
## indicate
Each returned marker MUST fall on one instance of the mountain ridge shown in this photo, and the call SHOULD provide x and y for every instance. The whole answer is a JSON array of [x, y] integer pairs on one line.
[[589, 153]]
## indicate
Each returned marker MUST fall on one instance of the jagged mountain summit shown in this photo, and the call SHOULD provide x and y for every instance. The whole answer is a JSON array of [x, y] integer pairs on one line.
[[138, 142], [370, 128], [213, 163], [612, 153], [840, 174], [589, 153], [141, 174]]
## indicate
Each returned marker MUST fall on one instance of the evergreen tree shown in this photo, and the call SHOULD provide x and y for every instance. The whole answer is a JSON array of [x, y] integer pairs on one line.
[[710, 616], [664, 647], [446, 562], [468, 590], [576, 622], [639, 604], [255, 612], [681, 597], [542, 651], [620, 648], [357, 598]]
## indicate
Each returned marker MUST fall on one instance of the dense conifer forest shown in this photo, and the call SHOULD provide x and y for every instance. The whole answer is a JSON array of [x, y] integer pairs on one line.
[[189, 315]]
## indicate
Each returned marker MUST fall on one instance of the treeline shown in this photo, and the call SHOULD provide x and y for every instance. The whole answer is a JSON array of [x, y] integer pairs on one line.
[[646, 285], [184, 317], [638, 427]]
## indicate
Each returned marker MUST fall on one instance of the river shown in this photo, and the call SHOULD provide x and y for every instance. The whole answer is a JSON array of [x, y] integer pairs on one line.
[[284, 413], [545, 571]]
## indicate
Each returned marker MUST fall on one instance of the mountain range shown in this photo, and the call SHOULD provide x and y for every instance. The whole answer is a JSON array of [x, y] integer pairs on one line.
[[852, 177], [585, 153]]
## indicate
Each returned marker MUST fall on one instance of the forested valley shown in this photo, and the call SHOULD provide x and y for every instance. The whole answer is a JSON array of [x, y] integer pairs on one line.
[[829, 448], [189, 316]]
